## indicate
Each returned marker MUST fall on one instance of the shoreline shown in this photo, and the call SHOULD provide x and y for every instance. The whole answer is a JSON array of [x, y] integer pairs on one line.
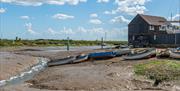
[[13, 64], [25, 75]]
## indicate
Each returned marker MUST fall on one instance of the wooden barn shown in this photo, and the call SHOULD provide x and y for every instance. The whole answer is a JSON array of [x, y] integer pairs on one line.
[[152, 31]]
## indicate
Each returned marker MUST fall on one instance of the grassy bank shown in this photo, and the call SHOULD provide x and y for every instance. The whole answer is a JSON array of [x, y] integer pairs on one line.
[[159, 70], [51, 42]]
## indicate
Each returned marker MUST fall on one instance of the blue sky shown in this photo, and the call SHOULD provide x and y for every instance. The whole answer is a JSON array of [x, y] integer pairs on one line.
[[78, 19]]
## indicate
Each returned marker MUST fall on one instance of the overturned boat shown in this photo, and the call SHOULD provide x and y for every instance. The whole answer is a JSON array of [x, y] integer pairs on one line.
[[101, 55], [174, 53], [142, 55], [66, 60]]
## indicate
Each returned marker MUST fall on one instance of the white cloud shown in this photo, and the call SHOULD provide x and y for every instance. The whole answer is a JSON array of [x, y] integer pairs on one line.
[[98, 32], [41, 2], [95, 21], [2, 10], [62, 16], [29, 28], [51, 31], [25, 17], [110, 12], [68, 31], [131, 7], [102, 1], [107, 12], [64, 31], [94, 15], [120, 19], [176, 17], [89, 33]]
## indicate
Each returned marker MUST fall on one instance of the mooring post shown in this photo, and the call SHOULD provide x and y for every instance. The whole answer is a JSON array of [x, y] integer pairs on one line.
[[102, 43], [68, 43]]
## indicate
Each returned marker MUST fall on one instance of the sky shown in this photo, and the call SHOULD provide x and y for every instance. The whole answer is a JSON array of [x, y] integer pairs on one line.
[[77, 19]]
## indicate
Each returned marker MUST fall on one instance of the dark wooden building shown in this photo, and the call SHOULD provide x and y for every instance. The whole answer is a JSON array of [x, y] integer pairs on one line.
[[152, 31]]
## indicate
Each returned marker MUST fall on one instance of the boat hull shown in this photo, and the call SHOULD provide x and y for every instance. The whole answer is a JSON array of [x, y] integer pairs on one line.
[[175, 55], [101, 55], [61, 61], [147, 54], [81, 59], [121, 52]]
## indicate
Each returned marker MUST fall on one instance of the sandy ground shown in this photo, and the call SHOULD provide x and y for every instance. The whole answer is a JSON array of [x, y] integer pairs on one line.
[[96, 75]]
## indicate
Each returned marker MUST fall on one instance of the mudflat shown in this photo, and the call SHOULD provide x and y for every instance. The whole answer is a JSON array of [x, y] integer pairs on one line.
[[12, 64], [113, 74]]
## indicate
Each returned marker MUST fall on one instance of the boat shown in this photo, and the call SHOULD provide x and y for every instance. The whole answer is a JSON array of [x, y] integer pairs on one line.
[[162, 53], [142, 55], [101, 55], [66, 60], [121, 46], [81, 58], [121, 52], [174, 53]]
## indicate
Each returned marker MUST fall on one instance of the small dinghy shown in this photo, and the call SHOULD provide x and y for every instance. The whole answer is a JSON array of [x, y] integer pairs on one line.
[[67, 60], [81, 58], [174, 53], [145, 54], [101, 55], [121, 52]]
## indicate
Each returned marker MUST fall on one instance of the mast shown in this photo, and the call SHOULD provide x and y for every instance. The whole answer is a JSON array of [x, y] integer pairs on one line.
[[179, 15], [178, 22]]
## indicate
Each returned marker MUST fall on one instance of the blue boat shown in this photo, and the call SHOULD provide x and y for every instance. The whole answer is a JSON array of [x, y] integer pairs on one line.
[[101, 55], [178, 49]]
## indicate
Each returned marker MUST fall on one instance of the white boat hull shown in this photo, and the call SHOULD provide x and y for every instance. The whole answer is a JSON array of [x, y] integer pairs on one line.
[[140, 56], [174, 55]]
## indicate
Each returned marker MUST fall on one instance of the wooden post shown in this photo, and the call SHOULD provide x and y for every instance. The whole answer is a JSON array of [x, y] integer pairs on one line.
[[68, 43], [102, 43]]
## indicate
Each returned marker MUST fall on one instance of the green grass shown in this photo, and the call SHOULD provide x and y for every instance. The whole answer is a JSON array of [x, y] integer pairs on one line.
[[159, 70], [51, 42]]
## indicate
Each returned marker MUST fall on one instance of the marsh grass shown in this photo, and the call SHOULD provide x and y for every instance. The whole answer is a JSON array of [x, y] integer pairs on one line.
[[159, 70], [52, 42]]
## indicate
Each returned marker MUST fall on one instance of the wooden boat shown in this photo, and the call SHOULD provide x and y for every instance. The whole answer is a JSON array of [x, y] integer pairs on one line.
[[121, 52], [80, 58], [145, 54], [67, 60], [101, 55], [174, 53]]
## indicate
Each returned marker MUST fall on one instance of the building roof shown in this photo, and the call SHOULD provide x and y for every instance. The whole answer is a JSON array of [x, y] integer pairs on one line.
[[155, 20]]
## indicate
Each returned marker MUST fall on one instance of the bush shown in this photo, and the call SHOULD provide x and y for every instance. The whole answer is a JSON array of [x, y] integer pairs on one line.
[[159, 70]]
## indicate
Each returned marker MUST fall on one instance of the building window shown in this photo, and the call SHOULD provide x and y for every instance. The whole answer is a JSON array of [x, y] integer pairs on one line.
[[162, 28], [155, 37], [133, 38], [151, 27]]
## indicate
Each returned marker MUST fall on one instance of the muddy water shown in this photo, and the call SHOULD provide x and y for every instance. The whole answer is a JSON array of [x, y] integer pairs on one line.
[[27, 74]]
